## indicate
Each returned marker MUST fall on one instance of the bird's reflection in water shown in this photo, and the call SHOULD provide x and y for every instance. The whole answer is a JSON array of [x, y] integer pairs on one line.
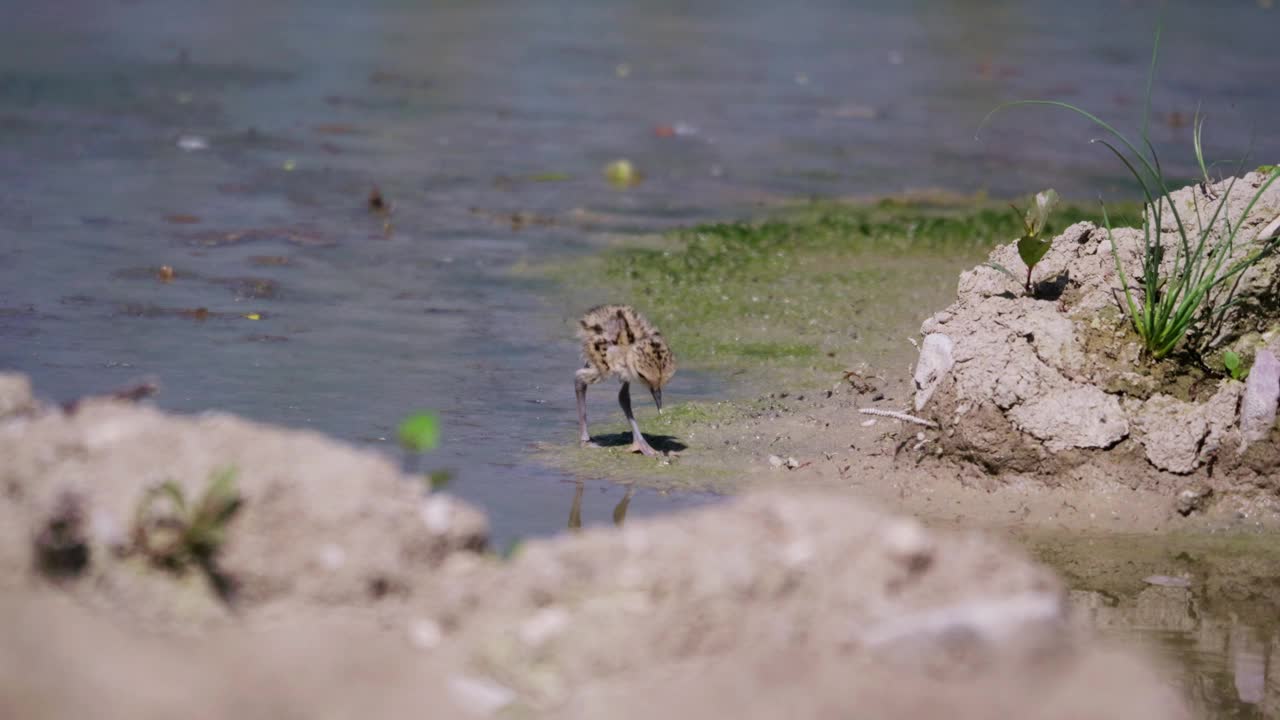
[[619, 510]]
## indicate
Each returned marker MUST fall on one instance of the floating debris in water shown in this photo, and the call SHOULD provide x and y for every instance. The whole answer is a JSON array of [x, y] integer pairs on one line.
[[550, 177], [296, 235], [165, 273], [621, 173], [193, 143], [377, 203], [269, 260]]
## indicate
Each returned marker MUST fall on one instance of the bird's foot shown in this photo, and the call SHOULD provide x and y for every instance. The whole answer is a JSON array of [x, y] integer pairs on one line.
[[590, 444], [643, 448]]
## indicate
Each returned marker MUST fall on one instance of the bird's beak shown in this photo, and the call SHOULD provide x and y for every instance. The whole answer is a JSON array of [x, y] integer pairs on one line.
[[657, 399]]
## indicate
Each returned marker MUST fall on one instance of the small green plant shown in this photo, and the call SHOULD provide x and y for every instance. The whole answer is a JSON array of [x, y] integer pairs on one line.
[[1031, 247], [420, 433], [174, 534], [1167, 302], [1234, 365]]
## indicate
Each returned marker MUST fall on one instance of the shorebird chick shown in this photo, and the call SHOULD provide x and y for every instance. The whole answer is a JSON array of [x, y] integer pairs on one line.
[[617, 340]]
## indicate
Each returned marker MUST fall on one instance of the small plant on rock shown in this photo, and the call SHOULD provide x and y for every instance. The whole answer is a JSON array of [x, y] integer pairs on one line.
[[1031, 246], [1168, 300], [176, 535], [1234, 365]]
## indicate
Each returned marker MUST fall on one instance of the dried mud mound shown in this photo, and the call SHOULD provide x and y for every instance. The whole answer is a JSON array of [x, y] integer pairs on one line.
[[358, 597], [808, 605], [1054, 383], [319, 523]]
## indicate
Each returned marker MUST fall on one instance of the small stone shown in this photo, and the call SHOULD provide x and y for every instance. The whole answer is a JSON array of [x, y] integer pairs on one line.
[[1261, 396], [1167, 581], [936, 360], [909, 543], [1192, 499], [105, 530], [425, 633], [776, 461], [797, 552], [15, 394], [792, 464], [543, 626], [437, 515], [480, 695], [332, 557]]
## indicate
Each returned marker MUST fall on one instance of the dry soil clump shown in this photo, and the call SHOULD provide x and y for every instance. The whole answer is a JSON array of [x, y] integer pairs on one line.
[[1055, 384]]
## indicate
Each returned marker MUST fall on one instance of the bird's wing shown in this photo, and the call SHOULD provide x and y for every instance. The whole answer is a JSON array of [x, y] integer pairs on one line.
[[615, 329]]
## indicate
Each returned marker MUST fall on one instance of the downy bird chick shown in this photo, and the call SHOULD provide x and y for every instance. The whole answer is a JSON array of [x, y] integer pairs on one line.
[[617, 340]]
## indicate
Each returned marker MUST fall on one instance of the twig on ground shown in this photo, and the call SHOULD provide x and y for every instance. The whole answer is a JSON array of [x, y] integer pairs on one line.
[[898, 416]]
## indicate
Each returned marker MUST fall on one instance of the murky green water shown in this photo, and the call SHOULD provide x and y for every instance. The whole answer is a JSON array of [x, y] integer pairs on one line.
[[237, 142]]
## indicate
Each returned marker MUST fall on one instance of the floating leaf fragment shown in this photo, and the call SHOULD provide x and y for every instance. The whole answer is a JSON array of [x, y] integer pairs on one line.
[[621, 173], [439, 479], [269, 260], [252, 316], [420, 432], [165, 274], [549, 177]]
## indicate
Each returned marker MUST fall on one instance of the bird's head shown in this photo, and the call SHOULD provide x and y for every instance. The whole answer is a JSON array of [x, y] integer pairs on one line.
[[654, 365]]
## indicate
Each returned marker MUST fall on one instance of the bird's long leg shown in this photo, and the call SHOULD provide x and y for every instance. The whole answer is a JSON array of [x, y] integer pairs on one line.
[[638, 443], [580, 389]]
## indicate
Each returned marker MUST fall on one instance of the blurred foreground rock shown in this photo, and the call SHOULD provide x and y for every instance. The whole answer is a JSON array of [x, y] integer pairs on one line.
[[360, 597]]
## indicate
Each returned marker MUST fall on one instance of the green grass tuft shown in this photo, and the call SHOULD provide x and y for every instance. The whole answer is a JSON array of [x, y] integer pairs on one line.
[[838, 282], [174, 534], [1170, 303]]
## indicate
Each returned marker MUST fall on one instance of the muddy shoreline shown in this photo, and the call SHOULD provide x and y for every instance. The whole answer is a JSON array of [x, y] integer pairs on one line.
[[857, 359]]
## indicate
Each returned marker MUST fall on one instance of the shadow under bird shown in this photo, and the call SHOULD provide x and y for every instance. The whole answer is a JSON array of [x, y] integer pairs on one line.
[[617, 340]]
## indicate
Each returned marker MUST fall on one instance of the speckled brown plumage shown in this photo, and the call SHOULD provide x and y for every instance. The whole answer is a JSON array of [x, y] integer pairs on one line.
[[617, 340]]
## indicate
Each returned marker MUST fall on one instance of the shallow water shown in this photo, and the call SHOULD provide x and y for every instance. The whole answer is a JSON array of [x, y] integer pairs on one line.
[[1205, 605], [237, 142]]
